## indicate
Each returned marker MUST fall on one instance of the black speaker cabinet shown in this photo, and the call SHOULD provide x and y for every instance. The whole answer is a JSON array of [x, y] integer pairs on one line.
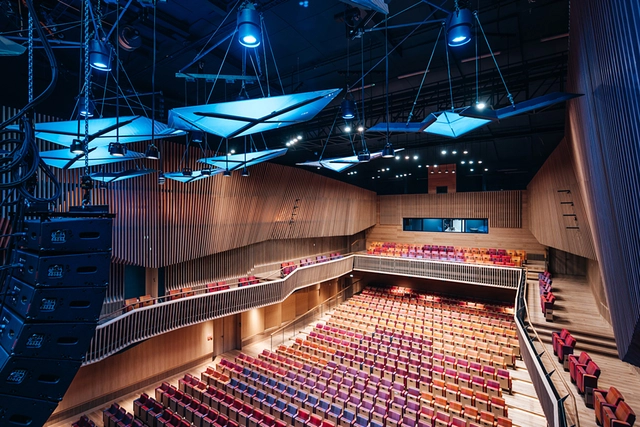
[[81, 270], [67, 235], [36, 378], [18, 411], [53, 304], [68, 341]]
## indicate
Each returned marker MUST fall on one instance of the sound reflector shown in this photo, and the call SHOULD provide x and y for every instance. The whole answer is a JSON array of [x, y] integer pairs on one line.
[[237, 161], [195, 175], [10, 48], [97, 156], [120, 176], [340, 164]]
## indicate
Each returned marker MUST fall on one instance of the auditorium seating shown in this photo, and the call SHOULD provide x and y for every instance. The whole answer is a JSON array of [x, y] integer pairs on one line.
[[503, 257], [84, 421], [621, 416], [574, 362], [563, 345], [246, 281], [113, 416], [605, 398], [287, 268], [217, 286]]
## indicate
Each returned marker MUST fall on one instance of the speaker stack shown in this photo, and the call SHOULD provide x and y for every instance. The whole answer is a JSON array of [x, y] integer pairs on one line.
[[50, 311]]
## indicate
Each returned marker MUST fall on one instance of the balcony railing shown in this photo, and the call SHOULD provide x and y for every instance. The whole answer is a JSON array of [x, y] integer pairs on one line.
[[475, 274], [118, 333]]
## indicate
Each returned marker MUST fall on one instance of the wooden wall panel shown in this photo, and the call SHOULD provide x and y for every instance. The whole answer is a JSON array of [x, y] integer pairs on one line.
[[252, 322], [502, 208], [241, 261], [549, 208], [442, 176], [594, 278], [142, 362], [603, 131]]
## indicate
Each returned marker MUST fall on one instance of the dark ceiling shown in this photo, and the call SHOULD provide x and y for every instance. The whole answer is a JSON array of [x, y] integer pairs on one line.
[[314, 50]]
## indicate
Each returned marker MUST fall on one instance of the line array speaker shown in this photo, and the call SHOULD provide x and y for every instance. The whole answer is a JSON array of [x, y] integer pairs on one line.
[[50, 311]]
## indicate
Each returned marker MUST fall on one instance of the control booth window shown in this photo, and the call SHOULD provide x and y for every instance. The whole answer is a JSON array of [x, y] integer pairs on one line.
[[446, 225]]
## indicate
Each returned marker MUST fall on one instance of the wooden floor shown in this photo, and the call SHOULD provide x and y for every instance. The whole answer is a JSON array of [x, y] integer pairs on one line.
[[575, 309], [524, 407]]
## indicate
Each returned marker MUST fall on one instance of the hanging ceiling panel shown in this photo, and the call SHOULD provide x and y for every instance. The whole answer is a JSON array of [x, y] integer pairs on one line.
[[240, 118], [237, 161], [97, 156], [195, 175], [340, 164], [120, 176], [103, 131]]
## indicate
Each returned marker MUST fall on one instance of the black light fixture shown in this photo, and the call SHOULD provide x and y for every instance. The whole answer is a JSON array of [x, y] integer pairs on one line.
[[206, 172], [161, 178], [348, 107], [245, 171], [76, 147], [82, 110], [197, 137], [249, 28], [459, 26], [129, 39], [187, 171], [99, 55], [226, 173], [152, 152], [364, 155], [387, 151], [117, 150]]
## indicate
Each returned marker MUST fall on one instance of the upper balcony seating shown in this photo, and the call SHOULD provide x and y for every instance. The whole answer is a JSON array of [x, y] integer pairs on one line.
[[84, 421], [563, 345], [587, 380], [606, 398], [217, 286], [574, 362], [287, 268], [622, 416]]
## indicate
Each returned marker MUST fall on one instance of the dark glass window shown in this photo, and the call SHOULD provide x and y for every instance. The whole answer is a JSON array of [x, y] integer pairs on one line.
[[446, 225]]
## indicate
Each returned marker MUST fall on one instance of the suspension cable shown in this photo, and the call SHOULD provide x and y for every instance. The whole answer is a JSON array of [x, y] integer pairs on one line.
[[424, 76], [221, 64], [273, 57], [446, 48], [509, 95]]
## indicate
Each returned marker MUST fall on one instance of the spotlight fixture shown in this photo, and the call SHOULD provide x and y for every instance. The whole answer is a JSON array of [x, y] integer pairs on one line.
[[77, 147], [152, 152], [470, 162], [348, 107], [446, 171], [299, 137], [116, 149], [459, 27], [99, 55], [233, 151], [415, 157], [419, 166], [245, 171], [388, 152], [129, 39], [85, 112], [197, 137], [364, 156], [453, 171], [462, 162], [481, 105], [206, 172], [397, 157], [465, 152], [454, 152], [406, 157], [161, 178], [249, 32], [471, 169], [486, 170], [443, 152], [187, 171], [226, 173], [360, 128], [479, 161], [347, 128]]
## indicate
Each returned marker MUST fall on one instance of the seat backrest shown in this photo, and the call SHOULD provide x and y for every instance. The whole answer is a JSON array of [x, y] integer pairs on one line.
[[625, 413], [613, 396], [593, 369]]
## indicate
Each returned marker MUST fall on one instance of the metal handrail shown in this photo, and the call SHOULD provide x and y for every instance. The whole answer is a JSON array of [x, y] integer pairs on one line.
[[336, 297], [546, 354]]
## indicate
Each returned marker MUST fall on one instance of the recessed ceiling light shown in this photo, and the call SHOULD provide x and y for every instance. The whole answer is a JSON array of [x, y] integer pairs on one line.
[[480, 161], [465, 152], [405, 174], [347, 129], [360, 129], [419, 166], [471, 169], [233, 151], [406, 157], [426, 166], [415, 157], [444, 152], [462, 162], [378, 176], [485, 169], [470, 162], [387, 168], [435, 166], [300, 137], [397, 157], [454, 152]]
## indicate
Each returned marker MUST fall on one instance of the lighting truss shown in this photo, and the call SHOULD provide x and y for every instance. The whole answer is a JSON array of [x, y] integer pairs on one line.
[[341, 164], [239, 161], [65, 159], [103, 131], [246, 117]]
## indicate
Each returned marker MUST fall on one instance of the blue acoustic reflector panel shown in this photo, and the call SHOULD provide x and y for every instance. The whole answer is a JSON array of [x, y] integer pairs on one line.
[[377, 5], [404, 127], [340, 164], [195, 175], [519, 108], [65, 159], [120, 176], [10, 48], [237, 161], [103, 131], [453, 125], [240, 118]]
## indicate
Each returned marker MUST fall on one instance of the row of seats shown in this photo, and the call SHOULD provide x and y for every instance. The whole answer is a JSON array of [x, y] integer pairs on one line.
[[246, 281], [217, 286], [84, 421], [547, 298], [611, 409], [287, 268], [493, 256], [563, 344], [115, 416], [584, 373], [133, 303], [175, 294]]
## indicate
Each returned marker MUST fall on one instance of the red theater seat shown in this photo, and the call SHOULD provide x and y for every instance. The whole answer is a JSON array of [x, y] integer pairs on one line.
[[574, 362], [606, 398], [587, 380], [622, 417]]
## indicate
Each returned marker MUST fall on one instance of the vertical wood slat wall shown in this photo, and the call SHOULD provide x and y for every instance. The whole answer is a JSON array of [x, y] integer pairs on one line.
[[546, 211], [604, 130], [502, 208], [239, 262]]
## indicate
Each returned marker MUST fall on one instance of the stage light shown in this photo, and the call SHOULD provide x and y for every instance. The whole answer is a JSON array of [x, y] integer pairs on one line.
[[471, 169], [152, 152], [459, 27], [465, 152], [299, 137], [347, 129], [480, 161], [85, 112], [348, 107], [415, 157], [187, 172], [161, 178], [99, 55], [197, 137], [226, 173], [233, 151], [481, 105], [454, 152], [206, 172], [116, 149], [249, 32], [245, 171], [360, 128], [77, 147]]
